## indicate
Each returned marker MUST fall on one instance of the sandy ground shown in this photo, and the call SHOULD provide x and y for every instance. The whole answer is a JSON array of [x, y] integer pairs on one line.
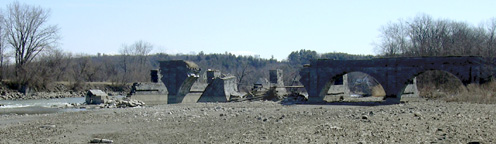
[[260, 122]]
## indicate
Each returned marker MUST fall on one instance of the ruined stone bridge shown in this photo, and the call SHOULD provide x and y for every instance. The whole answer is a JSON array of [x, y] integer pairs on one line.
[[392, 73]]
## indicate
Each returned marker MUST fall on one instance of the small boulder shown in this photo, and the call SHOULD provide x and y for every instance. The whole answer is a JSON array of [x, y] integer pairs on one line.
[[100, 140], [417, 114], [47, 126], [365, 117]]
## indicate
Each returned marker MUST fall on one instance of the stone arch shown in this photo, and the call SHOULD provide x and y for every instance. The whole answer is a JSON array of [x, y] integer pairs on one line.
[[392, 73], [333, 77], [407, 80]]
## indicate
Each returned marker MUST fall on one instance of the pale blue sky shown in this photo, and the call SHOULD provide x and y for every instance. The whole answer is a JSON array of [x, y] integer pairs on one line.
[[264, 27]]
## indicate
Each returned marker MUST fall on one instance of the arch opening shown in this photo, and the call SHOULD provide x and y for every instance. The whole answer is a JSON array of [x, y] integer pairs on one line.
[[353, 86], [443, 85], [433, 84]]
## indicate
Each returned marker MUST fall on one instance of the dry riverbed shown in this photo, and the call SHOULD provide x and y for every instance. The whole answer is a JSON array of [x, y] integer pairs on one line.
[[260, 122]]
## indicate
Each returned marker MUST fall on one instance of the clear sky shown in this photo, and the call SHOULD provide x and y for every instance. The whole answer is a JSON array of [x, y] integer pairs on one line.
[[264, 27]]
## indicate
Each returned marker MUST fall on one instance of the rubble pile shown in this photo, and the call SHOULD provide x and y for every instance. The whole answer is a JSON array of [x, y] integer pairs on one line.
[[102, 100], [128, 103], [295, 98]]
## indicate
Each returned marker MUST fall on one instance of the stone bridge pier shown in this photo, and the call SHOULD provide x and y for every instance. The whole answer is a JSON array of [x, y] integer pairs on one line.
[[393, 74], [179, 77]]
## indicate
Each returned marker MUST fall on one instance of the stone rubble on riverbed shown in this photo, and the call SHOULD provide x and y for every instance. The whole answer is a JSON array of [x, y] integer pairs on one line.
[[103, 101], [13, 95], [261, 122]]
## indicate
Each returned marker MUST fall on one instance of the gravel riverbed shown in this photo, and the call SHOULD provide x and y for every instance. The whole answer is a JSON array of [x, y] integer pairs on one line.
[[260, 122]]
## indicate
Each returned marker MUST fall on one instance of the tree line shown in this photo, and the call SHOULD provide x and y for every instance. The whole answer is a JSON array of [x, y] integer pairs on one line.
[[425, 36], [29, 57], [126, 67], [24, 35]]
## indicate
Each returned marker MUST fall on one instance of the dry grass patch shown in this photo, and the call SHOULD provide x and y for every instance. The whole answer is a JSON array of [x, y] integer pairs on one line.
[[378, 91], [473, 93]]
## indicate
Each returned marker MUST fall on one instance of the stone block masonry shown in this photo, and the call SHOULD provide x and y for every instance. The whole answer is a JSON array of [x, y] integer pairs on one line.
[[277, 82], [220, 90], [178, 76], [212, 74], [394, 74], [150, 93]]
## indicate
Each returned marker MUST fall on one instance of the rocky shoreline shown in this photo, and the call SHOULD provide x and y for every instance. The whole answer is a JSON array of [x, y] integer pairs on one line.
[[59, 91], [14, 95], [39, 95]]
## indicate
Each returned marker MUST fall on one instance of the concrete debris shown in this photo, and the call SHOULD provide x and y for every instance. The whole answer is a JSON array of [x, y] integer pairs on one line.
[[276, 90], [261, 83], [212, 74], [127, 103], [221, 90], [102, 100], [295, 98], [178, 76], [96, 97], [277, 83], [150, 93], [339, 89], [179, 81], [411, 90]]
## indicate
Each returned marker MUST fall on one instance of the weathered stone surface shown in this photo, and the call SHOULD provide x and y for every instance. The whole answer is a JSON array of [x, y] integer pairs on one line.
[[261, 83], [191, 97], [392, 73], [277, 83], [149, 88], [220, 90], [126, 103], [212, 74], [96, 97], [411, 90], [195, 92], [178, 76], [155, 76], [259, 89], [339, 89], [272, 89], [276, 78], [152, 93]]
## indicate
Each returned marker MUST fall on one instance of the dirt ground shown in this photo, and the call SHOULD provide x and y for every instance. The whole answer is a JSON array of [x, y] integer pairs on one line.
[[260, 122]]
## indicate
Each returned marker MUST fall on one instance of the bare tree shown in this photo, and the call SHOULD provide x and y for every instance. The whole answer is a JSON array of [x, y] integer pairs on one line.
[[135, 61], [49, 67], [395, 39], [28, 33], [142, 49], [242, 71], [2, 48], [491, 37], [424, 36]]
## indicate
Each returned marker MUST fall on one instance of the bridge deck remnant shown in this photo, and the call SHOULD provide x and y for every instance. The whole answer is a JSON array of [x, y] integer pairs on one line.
[[392, 73]]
